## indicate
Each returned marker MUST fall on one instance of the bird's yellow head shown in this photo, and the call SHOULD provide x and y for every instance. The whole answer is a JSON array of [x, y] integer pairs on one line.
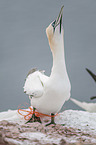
[[55, 30]]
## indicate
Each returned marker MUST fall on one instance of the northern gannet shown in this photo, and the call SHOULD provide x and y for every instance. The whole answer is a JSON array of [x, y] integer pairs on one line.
[[48, 94]]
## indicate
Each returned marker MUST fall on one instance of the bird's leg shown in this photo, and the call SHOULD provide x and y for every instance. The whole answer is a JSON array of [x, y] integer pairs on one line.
[[34, 118], [52, 120]]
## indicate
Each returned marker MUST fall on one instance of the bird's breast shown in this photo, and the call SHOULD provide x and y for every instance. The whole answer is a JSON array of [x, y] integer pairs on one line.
[[56, 92], [58, 88]]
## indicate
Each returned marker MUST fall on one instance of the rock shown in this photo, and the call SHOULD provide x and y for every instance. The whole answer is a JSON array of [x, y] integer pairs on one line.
[[36, 133], [73, 130], [63, 142]]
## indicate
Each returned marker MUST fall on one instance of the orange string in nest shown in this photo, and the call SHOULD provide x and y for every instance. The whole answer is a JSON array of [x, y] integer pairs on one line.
[[30, 112]]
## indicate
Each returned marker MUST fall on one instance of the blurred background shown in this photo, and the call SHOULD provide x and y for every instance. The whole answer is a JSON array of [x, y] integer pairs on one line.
[[24, 45]]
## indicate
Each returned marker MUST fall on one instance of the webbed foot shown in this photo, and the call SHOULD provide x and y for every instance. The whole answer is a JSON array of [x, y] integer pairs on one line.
[[50, 124], [34, 118], [52, 120]]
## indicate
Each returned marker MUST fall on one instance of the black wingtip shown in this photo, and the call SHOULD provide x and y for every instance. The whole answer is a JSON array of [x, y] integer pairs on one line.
[[88, 70], [92, 74], [92, 98]]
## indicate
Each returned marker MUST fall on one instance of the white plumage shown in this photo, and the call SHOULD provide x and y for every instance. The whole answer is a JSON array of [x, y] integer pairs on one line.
[[90, 107], [34, 84], [50, 93]]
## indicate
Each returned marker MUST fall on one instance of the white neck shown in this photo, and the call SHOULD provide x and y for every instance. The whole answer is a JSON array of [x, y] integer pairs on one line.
[[59, 66]]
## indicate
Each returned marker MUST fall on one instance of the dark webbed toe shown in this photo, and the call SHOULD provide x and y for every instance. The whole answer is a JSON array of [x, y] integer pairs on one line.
[[34, 118], [52, 120]]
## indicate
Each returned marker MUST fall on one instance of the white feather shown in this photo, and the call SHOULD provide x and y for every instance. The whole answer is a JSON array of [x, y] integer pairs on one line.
[[34, 84], [90, 107]]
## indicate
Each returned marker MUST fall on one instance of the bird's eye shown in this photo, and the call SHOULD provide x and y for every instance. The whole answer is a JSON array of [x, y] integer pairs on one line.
[[53, 24]]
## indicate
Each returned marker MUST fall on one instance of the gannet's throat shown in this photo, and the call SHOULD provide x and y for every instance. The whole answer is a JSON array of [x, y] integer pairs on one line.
[[58, 57]]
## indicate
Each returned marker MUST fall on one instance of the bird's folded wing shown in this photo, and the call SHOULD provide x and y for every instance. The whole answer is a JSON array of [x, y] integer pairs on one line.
[[34, 84]]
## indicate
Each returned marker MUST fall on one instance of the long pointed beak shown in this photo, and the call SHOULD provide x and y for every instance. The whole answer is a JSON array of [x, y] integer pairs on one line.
[[59, 18]]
